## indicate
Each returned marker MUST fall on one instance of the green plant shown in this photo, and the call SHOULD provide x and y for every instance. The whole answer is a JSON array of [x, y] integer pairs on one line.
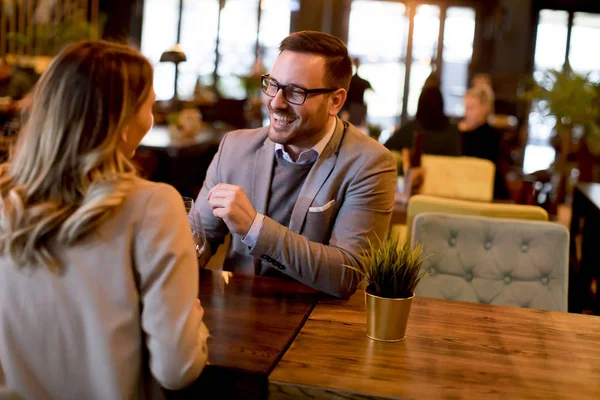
[[390, 269], [571, 98], [49, 38], [374, 131]]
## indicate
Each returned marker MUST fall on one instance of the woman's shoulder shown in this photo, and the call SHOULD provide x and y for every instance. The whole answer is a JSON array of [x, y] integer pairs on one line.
[[144, 190], [141, 185], [145, 204]]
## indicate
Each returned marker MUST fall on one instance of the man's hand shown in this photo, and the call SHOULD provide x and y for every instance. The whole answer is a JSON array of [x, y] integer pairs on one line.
[[230, 203]]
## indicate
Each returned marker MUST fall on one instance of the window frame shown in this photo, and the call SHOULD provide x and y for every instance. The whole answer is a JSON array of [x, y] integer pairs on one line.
[[411, 8], [558, 5], [221, 6]]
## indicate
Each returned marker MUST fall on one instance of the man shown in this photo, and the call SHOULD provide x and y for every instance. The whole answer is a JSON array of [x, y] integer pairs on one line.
[[355, 102], [303, 196]]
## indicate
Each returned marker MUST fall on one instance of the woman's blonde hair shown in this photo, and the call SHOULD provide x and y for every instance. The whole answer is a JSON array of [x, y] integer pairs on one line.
[[67, 174]]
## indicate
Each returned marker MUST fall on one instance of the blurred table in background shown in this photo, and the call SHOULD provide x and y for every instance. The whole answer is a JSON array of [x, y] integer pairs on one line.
[[179, 162], [252, 321]]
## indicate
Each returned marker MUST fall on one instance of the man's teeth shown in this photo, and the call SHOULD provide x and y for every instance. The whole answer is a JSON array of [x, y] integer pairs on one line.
[[282, 119]]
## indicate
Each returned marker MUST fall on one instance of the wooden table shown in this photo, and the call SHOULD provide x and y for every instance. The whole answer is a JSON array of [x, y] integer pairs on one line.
[[159, 139], [179, 162], [585, 256], [252, 321], [452, 350]]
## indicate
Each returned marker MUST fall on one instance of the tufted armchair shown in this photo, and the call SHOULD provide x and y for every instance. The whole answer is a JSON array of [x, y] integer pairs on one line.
[[494, 261]]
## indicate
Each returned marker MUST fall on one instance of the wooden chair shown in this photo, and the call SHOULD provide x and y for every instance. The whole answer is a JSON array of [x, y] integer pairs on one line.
[[465, 178]]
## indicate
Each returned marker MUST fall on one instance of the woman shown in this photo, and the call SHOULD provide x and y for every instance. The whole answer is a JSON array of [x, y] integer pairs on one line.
[[479, 139], [440, 137], [97, 266]]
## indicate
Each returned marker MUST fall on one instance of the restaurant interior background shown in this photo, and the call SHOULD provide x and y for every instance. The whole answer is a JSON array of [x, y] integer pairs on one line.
[[399, 43], [226, 44]]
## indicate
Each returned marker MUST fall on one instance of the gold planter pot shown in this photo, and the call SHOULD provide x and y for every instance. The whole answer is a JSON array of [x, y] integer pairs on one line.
[[387, 318]]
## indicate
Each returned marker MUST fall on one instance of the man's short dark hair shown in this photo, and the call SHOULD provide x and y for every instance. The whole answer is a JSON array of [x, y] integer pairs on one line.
[[337, 61]]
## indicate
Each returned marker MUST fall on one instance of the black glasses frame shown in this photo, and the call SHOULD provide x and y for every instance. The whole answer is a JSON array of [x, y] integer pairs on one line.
[[266, 81]]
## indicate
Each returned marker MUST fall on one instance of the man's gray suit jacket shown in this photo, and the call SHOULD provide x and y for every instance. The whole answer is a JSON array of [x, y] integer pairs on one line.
[[346, 200]]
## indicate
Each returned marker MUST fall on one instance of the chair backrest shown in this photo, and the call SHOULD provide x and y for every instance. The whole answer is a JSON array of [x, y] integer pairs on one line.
[[466, 178], [422, 203], [493, 260]]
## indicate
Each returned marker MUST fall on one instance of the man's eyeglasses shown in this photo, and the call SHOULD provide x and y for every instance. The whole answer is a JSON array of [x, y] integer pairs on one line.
[[292, 94]]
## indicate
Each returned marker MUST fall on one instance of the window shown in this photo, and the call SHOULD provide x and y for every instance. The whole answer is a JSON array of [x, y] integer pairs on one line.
[[199, 26], [218, 42], [274, 26], [237, 45], [584, 53], [550, 52], [459, 33], [551, 43], [382, 61], [160, 16], [382, 49], [424, 52]]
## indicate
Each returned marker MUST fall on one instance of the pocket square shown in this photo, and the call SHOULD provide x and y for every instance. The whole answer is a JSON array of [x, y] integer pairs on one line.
[[322, 208]]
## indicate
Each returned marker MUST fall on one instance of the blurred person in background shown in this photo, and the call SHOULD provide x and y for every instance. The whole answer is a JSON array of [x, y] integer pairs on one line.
[[479, 139], [481, 79], [98, 271], [355, 108], [440, 136], [485, 81]]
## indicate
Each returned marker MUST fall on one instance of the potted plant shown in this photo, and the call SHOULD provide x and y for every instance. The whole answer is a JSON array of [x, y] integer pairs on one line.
[[392, 272], [572, 100]]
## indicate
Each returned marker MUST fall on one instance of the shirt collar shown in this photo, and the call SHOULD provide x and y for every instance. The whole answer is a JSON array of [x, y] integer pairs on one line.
[[311, 154]]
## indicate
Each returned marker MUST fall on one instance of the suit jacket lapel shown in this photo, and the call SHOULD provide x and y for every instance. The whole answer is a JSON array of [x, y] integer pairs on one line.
[[316, 177], [263, 169]]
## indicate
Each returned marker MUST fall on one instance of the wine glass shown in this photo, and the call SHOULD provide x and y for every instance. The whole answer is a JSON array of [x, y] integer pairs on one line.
[[188, 202], [195, 225]]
